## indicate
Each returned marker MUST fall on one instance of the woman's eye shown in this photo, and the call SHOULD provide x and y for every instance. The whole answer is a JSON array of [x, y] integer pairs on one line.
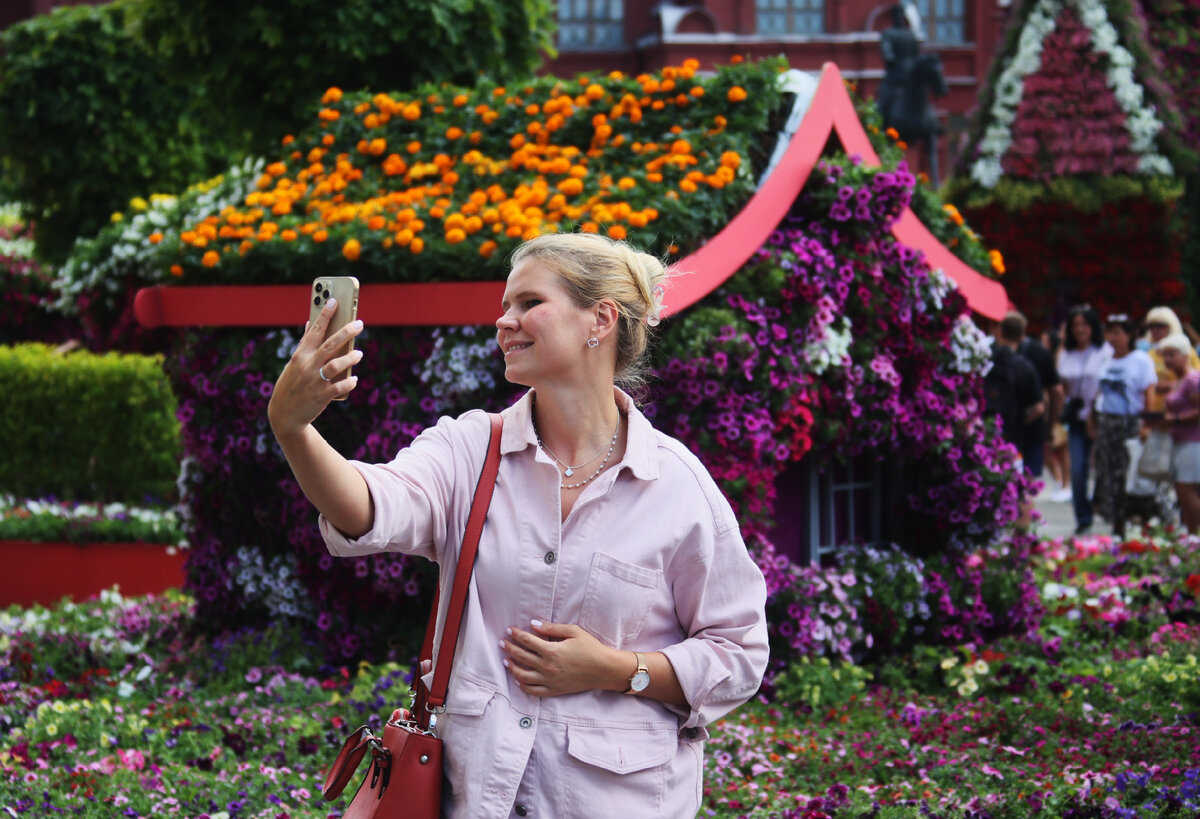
[[531, 303]]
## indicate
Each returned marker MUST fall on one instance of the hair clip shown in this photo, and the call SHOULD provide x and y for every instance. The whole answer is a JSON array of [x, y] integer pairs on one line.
[[656, 293]]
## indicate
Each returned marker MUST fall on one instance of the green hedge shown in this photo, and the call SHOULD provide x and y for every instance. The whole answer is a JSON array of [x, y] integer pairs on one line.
[[86, 427]]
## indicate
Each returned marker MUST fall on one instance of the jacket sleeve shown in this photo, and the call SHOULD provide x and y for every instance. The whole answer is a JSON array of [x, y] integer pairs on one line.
[[720, 600], [414, 495]]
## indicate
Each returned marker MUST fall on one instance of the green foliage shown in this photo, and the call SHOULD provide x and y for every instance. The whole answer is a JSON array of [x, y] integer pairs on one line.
[[259, 71], [91, 119], [84, 426], [1087, 194], [104, 103], [820, 683]]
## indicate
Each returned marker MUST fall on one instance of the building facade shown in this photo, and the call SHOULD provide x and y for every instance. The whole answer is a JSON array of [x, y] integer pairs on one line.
[[643, 35]]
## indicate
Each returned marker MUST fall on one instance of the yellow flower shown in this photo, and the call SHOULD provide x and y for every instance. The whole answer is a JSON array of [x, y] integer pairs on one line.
[[352, 250], [949, 663], [116, 217], [51, 729], [138, 203], [997, 261]]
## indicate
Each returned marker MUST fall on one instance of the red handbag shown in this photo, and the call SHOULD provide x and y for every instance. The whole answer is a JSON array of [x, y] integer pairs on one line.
[[405, 776]]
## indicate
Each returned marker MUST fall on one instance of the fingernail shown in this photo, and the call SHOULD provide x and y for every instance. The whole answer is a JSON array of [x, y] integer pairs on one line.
[[536, 623], [356, 324], [508, 631], [501, 644], [332, 303], [358, 354], [505, 661]]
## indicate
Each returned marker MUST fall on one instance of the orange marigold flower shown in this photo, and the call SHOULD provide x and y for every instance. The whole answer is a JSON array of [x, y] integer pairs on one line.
[[376, 222], [328, 139], [411, 111], [454, 132], [417, 245], [413, 147], [687, 186], [332, 95], [320, 235], [460, 100], [455, 236], [731, 159], [617, 231], [893, 133], [589, 227], [155, 238], [288, 235], [277, 169], [329, 114], [210, 258], [697, 91], [736, 94], [997, 261], [176, 270], [377, 147], [488, 248], [594, 92], [681, 146], [626, 183], [736, 59], [571, 186], [352, 250]]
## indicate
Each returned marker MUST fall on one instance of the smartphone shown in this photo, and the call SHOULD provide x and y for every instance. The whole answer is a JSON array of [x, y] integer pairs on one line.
[[345, 290]]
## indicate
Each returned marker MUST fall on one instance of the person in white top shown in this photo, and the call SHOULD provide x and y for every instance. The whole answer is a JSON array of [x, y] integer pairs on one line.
[[1084, 356], [1127, 378]]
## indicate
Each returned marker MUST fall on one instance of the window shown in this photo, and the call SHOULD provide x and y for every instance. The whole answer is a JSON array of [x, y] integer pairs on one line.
[[944, 21], [819, 509], [591, 25], [790, 16]]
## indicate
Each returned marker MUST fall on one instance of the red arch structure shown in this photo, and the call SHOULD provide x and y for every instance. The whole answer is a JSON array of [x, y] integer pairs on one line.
[[831, 111]]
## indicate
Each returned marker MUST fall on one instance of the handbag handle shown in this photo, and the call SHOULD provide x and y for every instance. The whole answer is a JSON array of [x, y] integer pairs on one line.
[[353, 750], [431, 699]]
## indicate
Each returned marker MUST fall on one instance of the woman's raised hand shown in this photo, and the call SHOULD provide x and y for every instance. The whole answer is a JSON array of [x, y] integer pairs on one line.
[[307, 384]]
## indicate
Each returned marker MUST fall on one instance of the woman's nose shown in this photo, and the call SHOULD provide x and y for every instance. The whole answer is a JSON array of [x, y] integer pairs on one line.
[[506, 321]]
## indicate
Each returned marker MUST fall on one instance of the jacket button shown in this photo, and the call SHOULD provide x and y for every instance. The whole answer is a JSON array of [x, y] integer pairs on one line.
[[550, 558], [522, 810], [525, 722], [691, 733]]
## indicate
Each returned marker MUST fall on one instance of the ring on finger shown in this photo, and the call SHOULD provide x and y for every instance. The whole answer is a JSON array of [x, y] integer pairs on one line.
[[321, 372]]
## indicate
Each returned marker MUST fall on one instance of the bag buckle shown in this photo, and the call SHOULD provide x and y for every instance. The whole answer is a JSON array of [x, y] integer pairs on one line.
[[381, 763]]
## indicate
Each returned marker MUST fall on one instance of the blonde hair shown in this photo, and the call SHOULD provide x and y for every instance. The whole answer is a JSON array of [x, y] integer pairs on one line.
[[594, 268], [1177, 342], [1165, 315]]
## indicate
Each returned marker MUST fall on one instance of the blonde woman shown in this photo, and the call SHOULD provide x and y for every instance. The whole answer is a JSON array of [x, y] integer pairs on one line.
[[1182, 418], [614, 612]]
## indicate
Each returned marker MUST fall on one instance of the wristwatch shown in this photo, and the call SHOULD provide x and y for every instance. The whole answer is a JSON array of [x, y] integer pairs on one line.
[[640, 680]]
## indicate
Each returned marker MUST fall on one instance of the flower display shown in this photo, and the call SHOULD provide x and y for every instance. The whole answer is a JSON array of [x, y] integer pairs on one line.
[[122, 707], [1068, 93]]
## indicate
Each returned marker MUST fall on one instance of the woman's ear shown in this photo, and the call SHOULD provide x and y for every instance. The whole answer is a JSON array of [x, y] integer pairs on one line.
[[607, 318]]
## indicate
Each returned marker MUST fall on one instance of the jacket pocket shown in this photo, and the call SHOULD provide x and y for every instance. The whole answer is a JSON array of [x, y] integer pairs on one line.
[[466, 697], [621, 772], [621, 750], [617, 599]]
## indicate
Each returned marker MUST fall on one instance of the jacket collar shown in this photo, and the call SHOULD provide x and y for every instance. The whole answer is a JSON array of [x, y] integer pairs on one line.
[[641, 448]]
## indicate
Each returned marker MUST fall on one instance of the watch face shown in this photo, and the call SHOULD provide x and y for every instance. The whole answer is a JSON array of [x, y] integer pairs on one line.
[[640, 681]]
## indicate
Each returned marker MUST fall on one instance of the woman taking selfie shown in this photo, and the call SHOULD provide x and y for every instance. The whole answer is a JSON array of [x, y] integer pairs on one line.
[[1083, 358], [613, 611]]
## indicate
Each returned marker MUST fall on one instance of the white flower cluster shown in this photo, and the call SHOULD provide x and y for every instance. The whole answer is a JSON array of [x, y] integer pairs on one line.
[[932, 290], [832, 349], [461, 363], [274, 584], [87, 511], [971, 348], [1142, 121], [97, 264], [20, 248]]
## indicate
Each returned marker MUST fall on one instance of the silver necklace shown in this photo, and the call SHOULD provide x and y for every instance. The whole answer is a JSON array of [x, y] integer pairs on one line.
[[568, 471]]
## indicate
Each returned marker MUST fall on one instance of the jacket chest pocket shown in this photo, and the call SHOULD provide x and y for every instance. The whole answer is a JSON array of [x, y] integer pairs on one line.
[[617, 600]]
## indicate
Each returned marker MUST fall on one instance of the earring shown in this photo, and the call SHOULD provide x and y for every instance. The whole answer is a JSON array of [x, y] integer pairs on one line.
[[593, 342]]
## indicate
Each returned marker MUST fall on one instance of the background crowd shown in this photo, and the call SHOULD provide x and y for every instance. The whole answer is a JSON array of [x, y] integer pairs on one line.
[[1111, 408]]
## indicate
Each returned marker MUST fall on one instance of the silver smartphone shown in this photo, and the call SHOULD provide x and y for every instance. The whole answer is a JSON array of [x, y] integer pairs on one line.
[[345, 290]]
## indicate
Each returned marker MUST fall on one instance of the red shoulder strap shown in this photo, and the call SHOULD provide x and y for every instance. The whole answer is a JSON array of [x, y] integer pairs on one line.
[[435, 696]]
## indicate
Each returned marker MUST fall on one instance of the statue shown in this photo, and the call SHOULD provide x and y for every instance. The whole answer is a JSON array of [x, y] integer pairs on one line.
[[909, 78]]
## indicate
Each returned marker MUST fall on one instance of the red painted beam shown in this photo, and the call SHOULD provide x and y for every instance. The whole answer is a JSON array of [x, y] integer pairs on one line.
[[47, 572]]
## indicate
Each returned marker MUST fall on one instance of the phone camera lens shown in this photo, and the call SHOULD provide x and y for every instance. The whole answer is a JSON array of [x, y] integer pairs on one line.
[[317, 288], [317, 301], [326, 295]]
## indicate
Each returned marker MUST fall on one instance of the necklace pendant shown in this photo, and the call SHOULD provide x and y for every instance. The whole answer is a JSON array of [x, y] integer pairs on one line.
[[569, 472]]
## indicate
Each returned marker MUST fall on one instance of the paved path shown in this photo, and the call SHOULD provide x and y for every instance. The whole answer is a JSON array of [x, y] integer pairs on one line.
[[1058, 518]]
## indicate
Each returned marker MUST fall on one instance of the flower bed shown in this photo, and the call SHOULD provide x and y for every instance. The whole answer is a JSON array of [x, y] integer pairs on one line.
[[120, 707]]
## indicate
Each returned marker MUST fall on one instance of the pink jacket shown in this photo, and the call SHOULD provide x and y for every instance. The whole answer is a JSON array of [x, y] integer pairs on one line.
[[650, 559]]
